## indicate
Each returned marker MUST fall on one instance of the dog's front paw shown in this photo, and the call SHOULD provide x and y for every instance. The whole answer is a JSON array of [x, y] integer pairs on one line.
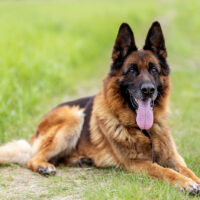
[[190, 186], [42, 167], [47, 170]]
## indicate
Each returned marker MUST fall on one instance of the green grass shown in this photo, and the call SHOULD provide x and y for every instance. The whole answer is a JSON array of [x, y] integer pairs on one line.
[[53, 50]]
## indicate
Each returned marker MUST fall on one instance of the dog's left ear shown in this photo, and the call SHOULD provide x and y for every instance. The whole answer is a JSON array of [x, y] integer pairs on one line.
[[155, 40]]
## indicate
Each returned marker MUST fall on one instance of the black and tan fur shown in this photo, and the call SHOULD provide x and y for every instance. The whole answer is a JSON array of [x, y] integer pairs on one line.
[[102, 129]]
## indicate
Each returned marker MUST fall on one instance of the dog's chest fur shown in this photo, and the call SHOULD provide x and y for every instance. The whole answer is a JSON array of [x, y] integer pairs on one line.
[[122, 144]]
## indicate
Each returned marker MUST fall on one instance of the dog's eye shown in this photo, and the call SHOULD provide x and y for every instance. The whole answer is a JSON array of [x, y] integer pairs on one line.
[[133, 68], [152, 68]]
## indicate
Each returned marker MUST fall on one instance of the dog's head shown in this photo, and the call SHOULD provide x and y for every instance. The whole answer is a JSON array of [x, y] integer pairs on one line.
[[140, 74]]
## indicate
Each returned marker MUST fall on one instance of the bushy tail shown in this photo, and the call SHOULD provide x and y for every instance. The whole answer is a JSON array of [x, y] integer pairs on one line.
[[15, 152]]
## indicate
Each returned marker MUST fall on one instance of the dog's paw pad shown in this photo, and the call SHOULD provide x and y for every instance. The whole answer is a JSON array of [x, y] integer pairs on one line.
[[50, 170], [191, 187], [194, 189]]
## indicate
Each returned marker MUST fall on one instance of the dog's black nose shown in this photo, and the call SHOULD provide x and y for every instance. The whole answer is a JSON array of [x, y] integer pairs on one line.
[[147, 88]]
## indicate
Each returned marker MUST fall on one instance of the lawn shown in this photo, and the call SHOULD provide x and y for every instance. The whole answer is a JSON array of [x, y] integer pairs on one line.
[[53, 51]]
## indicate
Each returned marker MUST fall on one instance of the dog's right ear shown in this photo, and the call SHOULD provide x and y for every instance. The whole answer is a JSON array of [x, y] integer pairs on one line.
[[124, 43], [155, 41]]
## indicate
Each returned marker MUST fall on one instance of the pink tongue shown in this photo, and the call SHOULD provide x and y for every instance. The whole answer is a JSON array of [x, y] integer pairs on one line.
[[144, 117]]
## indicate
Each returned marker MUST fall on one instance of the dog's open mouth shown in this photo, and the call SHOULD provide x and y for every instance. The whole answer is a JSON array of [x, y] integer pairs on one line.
[[144, 112]]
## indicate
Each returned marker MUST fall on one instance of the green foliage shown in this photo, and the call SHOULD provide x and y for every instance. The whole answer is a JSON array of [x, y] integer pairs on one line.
[[49, 49]]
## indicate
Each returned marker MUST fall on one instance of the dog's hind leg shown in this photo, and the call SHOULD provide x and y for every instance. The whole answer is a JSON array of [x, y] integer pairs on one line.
[[57, 133]]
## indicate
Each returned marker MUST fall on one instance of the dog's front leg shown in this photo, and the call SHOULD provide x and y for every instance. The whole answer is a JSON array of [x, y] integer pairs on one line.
[[166, 174], [181, 167], [189, 173]]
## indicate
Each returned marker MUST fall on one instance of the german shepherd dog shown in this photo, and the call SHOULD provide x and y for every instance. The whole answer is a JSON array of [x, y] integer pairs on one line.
[[124, 125]]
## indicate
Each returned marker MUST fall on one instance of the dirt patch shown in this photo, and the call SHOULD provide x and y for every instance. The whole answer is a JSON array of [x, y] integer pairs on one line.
[[20, 183]]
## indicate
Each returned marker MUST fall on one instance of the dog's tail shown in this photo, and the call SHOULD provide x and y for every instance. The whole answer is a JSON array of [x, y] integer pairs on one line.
[[15, 152]]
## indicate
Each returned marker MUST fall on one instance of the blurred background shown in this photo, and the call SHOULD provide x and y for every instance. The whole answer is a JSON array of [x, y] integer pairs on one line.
[[53, 51]]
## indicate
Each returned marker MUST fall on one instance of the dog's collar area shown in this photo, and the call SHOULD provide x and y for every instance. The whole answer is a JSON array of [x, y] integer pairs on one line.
[[147, 134]]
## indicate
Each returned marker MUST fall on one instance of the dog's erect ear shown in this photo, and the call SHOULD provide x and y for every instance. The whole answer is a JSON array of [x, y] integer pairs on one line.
[[124, 43], [155, 40]]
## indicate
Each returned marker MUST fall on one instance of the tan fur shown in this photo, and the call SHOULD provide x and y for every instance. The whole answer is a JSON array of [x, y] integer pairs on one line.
[[58, 133], [15, 152]]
